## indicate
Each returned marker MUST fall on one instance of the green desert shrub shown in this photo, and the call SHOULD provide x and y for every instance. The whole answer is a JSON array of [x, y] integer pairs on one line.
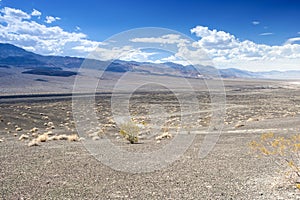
[[130, 132], [283, 150]]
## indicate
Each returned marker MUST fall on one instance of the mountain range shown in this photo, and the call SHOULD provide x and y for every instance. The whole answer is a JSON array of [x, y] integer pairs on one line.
[[31, 63]]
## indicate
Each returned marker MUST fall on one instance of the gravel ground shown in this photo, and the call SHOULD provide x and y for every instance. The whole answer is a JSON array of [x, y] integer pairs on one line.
[[62, 169]]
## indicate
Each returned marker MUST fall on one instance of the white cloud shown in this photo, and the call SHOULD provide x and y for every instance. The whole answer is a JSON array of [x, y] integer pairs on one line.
[[165, 39], [36, 13], [77, 28], [267, 33], [10, 14], [127, 53], [292, 40], [228, 51], [50, 19], [183, 50], [255, 22], [19, 29]]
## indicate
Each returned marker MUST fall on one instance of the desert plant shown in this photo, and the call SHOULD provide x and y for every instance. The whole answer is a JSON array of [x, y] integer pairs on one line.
[[130, 131], [283, 150]]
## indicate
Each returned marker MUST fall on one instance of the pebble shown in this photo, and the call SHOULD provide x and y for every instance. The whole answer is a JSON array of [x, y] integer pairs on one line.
[[34, 134], [93, 134], [252, 119], [96, 138], [33, 142], [33, 130], [164, 135], [49, 133], [45, 117], [23, 137], [42, 138], [239, 125], [73, 138], [19, 129], [50, 124], [62, 137]]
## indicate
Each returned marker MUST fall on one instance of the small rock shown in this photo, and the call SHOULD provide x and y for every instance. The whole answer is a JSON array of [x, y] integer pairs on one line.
[[42, 138], [19, 129], [62, 137], [96, 138], [49, 133], [73, 138], [45, 117], [33, 130], [111, 121], [239, 125], [34, 134], [1, 140], [93, 134], [164, 135], [33, 142], [54, 137], [23, 137], [50, 124], [252, 119]]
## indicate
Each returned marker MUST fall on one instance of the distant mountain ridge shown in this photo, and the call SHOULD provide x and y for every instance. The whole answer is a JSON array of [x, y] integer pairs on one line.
[[13, 56]]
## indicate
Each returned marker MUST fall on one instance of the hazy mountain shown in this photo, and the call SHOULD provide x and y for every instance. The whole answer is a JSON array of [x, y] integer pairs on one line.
[[8, 50], [291, 74], [237, 73], [12, 56]]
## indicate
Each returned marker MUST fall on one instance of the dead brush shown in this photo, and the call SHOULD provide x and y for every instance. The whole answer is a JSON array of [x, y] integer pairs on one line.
[[284, 151], [130, 132], [48, 136]]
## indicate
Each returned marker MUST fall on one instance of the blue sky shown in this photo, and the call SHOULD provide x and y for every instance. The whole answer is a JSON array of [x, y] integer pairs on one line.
[[267, 29]]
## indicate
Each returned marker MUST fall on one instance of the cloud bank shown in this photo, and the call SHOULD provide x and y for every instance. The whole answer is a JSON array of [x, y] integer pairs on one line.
[[17, 27], [228, 51]]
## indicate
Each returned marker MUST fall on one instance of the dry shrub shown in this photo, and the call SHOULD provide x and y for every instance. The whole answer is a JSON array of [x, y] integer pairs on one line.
[[130, 132], [73, 138], [283, 150]]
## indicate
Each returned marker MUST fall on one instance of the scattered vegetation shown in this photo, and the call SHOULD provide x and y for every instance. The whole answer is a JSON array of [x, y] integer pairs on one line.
[[283, 150], [130, 132], [46, 137]]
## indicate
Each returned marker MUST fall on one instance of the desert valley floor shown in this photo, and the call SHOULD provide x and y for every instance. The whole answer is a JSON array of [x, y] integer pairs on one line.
[[62, 169]]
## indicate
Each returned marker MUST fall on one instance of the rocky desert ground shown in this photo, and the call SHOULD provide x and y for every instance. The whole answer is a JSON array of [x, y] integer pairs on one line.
[[43, 157]]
